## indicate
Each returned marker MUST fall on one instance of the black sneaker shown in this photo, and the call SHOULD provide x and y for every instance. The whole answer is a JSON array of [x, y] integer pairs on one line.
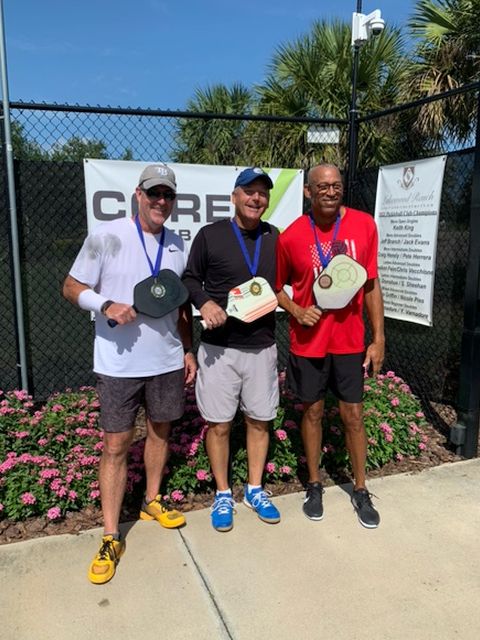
[[366, 512], [312, 505]]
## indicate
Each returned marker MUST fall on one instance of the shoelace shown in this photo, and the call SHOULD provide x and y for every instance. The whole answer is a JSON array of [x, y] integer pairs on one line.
[[366, 498], [223, 504], [260, 499], [163, 505], [107, 551]]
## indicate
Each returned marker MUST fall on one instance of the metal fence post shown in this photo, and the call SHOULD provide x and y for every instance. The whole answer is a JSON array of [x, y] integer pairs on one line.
[[22, 353], [465, 433]]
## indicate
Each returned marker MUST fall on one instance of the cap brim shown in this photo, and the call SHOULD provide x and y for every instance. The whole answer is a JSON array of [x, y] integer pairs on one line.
[[155, 182]]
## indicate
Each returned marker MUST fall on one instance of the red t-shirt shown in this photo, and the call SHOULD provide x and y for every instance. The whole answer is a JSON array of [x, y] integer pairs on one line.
[[298, 265]]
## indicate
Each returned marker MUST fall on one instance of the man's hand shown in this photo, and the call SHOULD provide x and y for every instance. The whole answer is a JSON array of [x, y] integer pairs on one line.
[[213, 315], [121, 313], [308, 316], [374, 357], [190, 367]]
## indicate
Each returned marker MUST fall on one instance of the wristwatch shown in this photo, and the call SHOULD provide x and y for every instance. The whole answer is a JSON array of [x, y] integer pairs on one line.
[[105, 305]]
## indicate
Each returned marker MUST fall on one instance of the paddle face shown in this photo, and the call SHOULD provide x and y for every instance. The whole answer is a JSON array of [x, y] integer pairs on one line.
[[339, 282], [251, 300], [155, 297]]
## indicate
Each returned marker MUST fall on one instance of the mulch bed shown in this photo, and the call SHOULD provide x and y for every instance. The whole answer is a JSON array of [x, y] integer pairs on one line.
[[437, 452]]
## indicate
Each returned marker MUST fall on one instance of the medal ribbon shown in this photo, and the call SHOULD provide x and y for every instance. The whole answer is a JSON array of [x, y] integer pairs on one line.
[[154, 269], [252, 265], [325, 258]]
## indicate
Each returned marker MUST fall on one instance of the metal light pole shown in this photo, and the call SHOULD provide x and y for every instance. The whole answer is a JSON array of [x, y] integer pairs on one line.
[[352, 127], [22, 355]]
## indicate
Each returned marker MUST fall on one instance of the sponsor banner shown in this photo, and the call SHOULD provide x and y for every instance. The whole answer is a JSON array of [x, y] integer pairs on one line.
[[203, 194], [406, 212]]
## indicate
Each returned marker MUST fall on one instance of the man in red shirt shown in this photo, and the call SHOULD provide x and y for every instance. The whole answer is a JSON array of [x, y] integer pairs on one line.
[[327, 347]]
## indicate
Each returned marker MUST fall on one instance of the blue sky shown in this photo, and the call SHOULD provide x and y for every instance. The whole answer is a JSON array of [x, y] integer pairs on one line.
[[153, 53]]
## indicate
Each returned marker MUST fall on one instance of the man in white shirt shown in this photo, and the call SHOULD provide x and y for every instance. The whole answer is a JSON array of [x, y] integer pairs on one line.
[[142, 361]]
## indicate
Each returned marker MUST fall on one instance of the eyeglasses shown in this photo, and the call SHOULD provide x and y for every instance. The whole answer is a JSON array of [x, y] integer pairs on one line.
[[155, 194], [325, 187]]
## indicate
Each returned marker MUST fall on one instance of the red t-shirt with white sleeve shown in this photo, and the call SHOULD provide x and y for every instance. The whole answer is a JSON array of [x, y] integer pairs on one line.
[[340, 331]]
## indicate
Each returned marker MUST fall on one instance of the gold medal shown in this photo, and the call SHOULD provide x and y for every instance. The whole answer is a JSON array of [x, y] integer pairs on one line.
[[255, 288]]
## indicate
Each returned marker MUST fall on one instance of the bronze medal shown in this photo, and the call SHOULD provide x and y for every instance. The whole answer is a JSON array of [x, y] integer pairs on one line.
[[325, 281], [255, 288]]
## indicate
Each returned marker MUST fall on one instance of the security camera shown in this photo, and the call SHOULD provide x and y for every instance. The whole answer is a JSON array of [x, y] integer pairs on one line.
[[376, 25], [363, 26]]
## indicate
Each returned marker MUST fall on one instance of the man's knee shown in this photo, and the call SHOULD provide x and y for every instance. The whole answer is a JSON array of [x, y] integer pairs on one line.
[[218, 430], [313, 412], [352, 416], [116, 445]]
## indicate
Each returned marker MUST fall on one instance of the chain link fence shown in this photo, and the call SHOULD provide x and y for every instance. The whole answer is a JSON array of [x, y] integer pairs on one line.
[[50, 142]]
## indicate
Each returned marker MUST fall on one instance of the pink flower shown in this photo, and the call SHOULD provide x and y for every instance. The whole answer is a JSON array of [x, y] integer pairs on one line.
[[72, 495], [395, 402], [399, 457], [177, 495], [420, 414], [28, 498], [270, 467], [286, 469], [290, 424], [94, 494], [57, 407], [390, 374], [281, 434], [21, 434], [1, 507], [202, 474], [388, 437], [54, 513], [422, 446], [42, 442]]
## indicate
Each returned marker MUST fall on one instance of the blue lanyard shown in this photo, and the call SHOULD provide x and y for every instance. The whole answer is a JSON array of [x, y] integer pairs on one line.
[[153, 269], [325, 258], [252, 265]]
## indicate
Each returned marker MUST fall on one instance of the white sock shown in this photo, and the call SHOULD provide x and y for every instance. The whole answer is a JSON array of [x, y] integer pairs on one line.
[[252, 487], [226, 492]]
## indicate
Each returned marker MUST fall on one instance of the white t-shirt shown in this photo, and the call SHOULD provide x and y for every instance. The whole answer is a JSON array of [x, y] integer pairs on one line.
[[112, 261]]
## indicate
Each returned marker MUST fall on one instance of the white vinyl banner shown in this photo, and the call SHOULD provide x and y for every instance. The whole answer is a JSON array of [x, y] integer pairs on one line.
[[406, 212], [203, 194]]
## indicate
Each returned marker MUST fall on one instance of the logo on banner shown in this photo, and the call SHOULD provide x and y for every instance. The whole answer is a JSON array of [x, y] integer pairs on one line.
[[408, 178]]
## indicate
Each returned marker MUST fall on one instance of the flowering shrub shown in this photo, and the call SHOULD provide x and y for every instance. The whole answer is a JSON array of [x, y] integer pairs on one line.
[[49, 457]]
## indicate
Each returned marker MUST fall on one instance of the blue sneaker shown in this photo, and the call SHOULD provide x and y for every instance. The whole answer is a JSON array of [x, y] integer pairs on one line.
[[222, 512], [258, 500]]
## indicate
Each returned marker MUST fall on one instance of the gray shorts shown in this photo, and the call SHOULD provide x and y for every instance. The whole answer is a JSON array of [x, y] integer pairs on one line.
[[120, 399], [228, 378]]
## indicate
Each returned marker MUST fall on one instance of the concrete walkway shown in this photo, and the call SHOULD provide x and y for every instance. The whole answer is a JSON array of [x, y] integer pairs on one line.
[[416, 577]]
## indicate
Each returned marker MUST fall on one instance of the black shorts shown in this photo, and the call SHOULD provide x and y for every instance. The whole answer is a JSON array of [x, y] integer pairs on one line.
[[309, 378], [120, 399]]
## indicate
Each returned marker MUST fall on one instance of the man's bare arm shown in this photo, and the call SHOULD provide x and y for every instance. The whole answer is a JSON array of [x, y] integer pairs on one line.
[[374, 306]]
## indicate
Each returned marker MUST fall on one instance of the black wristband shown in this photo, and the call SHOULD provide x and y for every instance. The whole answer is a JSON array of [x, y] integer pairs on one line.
[[187, 350], [105, 305]]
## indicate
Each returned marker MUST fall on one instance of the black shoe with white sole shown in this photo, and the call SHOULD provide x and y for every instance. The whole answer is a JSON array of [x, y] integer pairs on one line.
[[313, 506], [366, 512]]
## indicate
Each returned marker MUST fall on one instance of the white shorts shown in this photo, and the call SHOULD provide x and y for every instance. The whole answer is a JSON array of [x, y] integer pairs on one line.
[[227, 378]]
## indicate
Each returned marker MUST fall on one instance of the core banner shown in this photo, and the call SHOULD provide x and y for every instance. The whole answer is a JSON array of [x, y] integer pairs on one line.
[[203, 194]]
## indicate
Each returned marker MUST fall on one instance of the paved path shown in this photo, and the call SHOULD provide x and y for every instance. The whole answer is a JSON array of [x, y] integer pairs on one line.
[[416, 577]]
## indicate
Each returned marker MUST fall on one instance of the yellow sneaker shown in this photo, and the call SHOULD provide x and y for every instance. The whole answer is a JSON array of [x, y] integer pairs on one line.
[[103, 566], [162, 513]]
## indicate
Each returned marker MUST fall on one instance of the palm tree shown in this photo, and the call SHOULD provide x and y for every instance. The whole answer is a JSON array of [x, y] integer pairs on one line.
[[210, 140], [312, 77], [447, 56]]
